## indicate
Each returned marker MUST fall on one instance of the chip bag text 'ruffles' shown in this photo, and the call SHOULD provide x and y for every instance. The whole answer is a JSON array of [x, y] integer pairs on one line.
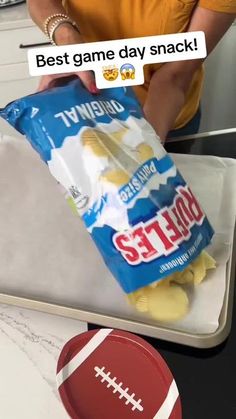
[[140, 212]]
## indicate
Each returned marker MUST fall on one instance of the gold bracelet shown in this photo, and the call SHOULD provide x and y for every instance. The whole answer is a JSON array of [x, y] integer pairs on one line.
[[50, 18], [56, 25]]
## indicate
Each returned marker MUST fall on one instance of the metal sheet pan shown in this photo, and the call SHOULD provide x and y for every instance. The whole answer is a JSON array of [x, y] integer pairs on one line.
[[198, 341], [140, 327]]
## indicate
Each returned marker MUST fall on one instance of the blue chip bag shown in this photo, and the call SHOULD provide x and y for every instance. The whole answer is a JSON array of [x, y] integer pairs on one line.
[[143, 217]]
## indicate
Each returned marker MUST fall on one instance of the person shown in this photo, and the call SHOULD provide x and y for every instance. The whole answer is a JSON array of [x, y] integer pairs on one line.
[[171, 93]]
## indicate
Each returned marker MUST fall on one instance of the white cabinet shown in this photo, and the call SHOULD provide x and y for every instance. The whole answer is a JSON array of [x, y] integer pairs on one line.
[[15, 80], [15, 85], [14, 43]]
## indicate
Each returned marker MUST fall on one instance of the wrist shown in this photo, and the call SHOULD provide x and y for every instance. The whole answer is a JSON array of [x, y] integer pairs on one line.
[[66, 34]]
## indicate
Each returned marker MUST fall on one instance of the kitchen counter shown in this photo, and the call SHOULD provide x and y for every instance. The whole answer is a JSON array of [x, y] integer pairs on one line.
[[30, 344]]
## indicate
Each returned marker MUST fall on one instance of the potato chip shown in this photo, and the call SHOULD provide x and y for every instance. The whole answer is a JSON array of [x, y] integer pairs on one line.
[[167, 303], [184, 277], [209, 261], [201, 265], [133, 296], [165, 282], [145, 152], [117, 136], [142, 304], [116, 176], [196, 271], [91, 140]]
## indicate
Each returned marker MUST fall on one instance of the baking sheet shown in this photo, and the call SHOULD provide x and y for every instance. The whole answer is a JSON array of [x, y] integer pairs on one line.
[[46, 253]]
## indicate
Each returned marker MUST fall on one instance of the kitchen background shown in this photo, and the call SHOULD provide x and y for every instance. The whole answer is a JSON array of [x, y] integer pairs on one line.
[[17, 32], [31, 341]]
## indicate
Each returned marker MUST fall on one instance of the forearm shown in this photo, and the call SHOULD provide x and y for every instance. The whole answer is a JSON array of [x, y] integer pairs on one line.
[[169, 85], [162, 110], [41, 10], [166, 97]]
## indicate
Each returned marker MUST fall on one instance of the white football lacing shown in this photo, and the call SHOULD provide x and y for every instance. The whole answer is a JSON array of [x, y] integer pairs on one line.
[[118, 388]]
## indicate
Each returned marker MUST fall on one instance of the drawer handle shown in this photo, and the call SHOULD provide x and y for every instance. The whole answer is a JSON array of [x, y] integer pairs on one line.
[[24, 46]]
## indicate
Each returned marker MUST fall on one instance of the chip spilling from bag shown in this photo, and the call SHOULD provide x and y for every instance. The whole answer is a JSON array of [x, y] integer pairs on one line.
[[166, 300], [138, 209]]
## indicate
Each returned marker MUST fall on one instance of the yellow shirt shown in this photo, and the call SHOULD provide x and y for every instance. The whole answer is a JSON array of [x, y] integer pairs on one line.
[[102, 20]]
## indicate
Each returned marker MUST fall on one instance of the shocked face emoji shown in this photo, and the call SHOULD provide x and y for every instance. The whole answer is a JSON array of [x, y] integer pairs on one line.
[[110, 73], [127, 72]]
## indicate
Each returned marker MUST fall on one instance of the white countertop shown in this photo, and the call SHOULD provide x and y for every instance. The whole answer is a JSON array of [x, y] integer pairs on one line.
[[30, 344], [15, 17]]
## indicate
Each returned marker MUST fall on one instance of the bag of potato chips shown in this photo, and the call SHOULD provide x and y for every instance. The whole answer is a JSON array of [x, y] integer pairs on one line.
[[140, 212]]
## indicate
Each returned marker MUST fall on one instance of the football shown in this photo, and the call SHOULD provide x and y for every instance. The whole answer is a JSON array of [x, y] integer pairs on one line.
[[111, 374]]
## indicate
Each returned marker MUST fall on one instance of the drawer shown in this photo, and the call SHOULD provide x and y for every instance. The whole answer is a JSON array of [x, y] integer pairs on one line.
[[11, 90], [15, 43], [18, 84], [17, 88], [11, 72]]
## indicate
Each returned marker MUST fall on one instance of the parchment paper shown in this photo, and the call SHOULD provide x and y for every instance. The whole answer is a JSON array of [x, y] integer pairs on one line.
[[46, 253]]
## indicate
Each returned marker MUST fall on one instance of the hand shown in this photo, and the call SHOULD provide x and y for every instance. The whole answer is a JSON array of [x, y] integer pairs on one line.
[[87, 78], [67, 35]]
